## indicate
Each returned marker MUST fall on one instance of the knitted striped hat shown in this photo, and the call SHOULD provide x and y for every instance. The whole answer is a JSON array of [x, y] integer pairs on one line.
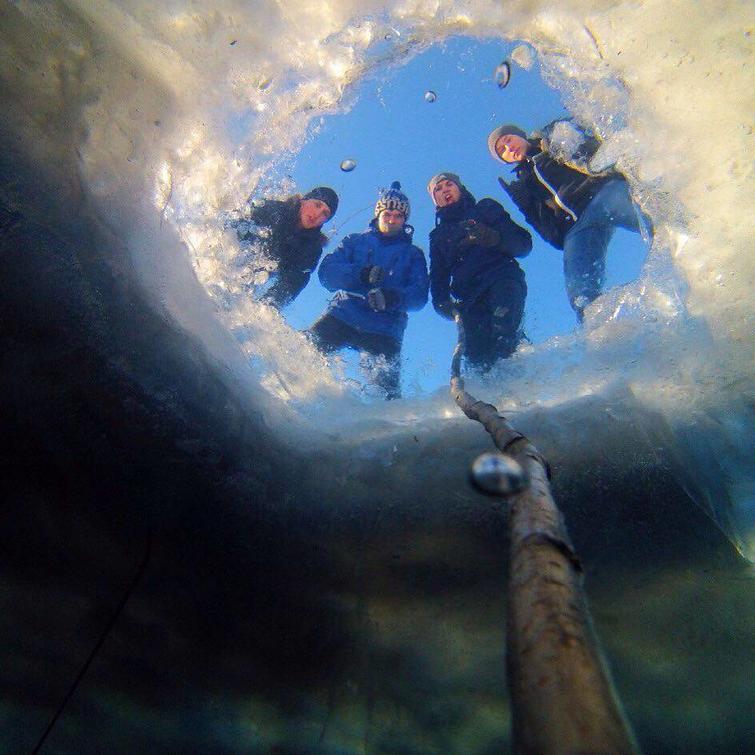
[[393, 199]]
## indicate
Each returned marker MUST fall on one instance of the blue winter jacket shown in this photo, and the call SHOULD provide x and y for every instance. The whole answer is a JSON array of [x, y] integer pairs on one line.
[[405, 284]]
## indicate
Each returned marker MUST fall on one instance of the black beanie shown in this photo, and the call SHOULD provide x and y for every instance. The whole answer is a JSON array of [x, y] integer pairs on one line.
[[324, 194]]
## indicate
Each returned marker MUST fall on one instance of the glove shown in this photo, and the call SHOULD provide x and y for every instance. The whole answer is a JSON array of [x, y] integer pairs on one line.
[[446, 309], [480, 234], [372, 275], [376, 300], [487, 236]]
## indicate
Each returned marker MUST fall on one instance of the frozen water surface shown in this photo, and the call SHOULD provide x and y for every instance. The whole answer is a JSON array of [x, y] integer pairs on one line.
[[323, 578]]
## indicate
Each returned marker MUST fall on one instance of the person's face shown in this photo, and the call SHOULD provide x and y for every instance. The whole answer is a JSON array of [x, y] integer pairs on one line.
[[313, 213], [445, 193], [391, 222], [511, 148]]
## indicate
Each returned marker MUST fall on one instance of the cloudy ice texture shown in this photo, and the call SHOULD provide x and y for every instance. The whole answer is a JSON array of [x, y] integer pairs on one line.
[[188, 108]]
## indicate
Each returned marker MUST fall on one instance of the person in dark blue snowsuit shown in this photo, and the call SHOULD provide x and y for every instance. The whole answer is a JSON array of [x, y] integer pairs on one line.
[[473, 271], [378, 276]]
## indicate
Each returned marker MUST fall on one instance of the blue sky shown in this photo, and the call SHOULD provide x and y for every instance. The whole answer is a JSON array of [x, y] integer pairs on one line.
[[394, 133]]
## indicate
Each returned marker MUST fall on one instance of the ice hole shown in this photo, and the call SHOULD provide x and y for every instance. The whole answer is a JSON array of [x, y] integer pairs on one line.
[[393, 131]]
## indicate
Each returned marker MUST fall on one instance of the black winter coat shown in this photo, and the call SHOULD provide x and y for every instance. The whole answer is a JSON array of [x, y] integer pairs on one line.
[[274, 226], [551, 194], [466, 271]]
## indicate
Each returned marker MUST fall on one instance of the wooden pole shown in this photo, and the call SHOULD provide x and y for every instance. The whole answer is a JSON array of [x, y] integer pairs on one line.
[[562, 698]]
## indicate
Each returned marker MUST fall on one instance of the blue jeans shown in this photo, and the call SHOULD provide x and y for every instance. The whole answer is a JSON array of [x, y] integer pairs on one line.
[[586, 243]]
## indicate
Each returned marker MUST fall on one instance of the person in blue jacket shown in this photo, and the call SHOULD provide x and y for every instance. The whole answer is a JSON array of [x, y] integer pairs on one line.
[[378, 276], [473, 271]]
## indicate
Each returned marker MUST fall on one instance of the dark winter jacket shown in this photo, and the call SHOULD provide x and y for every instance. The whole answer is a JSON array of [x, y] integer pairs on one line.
[[274, 226], [404, 286], [552, 193], [467, 270]]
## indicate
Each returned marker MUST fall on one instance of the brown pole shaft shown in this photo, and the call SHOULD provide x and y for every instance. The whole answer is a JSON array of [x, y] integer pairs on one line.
[[563, 701]]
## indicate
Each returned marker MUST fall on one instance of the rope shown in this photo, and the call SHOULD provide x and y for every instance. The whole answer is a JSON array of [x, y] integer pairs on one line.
[[336, 229], [456, 378], [113, 619]]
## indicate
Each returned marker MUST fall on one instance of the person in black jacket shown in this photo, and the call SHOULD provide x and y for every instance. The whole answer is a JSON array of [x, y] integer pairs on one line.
[[570, 206], [287, 232], [473, 271]]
